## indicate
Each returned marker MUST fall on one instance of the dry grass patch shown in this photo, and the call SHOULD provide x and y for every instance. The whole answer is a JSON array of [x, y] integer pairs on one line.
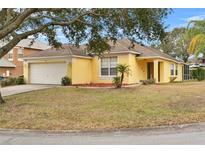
[[76, 108]]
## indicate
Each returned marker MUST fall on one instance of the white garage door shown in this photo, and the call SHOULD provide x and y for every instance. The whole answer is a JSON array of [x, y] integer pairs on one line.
[[50, 73]]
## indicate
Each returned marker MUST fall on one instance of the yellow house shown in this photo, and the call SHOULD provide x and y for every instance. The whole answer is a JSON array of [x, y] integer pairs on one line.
[[48, 67]]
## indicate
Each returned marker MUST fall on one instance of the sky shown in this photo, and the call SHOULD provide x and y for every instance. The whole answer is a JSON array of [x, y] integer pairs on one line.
[[181, 17], [178, 18]]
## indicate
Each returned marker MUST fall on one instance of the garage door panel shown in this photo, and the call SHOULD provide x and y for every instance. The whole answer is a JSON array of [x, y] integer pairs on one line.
[[50, 73]]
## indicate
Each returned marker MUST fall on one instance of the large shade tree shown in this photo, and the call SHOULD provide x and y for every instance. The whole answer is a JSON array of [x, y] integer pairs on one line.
[[176, 43], [93, 26]]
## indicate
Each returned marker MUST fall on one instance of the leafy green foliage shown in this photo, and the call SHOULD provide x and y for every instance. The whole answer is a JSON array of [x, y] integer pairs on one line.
[[10, 81], [122, 69], [20, 80], [117, 81], [197, 33], [198, 74], [92, 26], [176, 44], [65, 81]]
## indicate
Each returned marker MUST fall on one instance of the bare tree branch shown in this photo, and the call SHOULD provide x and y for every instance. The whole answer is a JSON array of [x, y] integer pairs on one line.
[[3, 14], [18, 37], [11, 26], [16, 23]]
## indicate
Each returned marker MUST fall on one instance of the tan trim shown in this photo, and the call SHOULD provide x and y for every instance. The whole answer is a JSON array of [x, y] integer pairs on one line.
[[55, 57], [52, 57], [160, 57], [123, 52], [76, 56], [47, 62]]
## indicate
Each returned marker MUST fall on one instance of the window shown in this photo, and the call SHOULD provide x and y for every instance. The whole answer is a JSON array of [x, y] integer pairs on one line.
[[108, 66], [20, 52], [176, 69], [7, 73], [10, 55], [172, 69]]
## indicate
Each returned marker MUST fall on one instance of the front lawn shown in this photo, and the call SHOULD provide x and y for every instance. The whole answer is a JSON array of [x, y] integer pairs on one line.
[[81, 109]]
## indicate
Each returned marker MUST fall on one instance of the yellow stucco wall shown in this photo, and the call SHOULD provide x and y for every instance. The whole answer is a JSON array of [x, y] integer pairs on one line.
[[86, 71], [25, 72], [121, 59], [180, 73], [81, 71], [96, 74], [165, 72]]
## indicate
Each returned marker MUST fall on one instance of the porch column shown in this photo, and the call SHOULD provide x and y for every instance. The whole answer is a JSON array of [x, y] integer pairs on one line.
[[156, 70]]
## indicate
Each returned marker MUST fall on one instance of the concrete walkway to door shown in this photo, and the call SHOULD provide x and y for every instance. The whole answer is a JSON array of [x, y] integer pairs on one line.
[[12, 90]]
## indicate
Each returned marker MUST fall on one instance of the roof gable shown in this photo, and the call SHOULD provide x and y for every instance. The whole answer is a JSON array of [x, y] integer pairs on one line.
[[5, 63], [29, 43], [120, 46]]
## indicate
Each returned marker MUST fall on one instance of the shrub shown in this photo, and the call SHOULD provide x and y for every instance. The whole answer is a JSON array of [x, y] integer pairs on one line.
[[117, 81], [20, 80], [201, 74], [148, 81], [198, 74], [3, 83], [65, 81], [8, 82]]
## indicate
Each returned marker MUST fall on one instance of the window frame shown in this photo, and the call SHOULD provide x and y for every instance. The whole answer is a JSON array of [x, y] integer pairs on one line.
[[176, 69], [109, 66], [22, 52], [172, 69], [11, 53]]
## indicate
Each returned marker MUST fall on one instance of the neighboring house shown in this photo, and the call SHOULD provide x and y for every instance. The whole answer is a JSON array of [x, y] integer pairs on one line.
[[6, 67], [48, 67], [23, 48]]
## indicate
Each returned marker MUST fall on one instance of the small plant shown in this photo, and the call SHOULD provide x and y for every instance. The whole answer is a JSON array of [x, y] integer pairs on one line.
[[65, 81], [116, 81], [122, 69], [148, 81], [20, 80]]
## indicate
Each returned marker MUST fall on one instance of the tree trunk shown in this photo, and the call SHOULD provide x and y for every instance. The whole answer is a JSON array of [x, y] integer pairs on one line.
[[121, 81], [1, 99]]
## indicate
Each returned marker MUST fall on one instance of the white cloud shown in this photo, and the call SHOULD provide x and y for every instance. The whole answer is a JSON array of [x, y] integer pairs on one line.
[[198, 17]]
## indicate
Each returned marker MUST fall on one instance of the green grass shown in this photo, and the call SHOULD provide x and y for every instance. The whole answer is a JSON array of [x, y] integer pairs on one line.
[[75, 108]]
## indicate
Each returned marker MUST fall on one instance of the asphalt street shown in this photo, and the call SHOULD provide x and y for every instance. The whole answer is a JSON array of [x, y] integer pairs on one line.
[[183, 134]]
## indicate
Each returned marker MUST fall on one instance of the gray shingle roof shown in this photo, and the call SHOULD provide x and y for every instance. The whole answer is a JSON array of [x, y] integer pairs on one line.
[[66, 50], [145, 51], [5, 63], [27, 43], [122, 45]]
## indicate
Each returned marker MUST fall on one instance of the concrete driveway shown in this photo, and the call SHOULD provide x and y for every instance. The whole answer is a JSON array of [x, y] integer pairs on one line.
[[12, 90]]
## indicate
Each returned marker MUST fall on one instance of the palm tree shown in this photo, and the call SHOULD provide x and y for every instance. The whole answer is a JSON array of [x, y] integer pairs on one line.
[[122, 69], [197, 33]]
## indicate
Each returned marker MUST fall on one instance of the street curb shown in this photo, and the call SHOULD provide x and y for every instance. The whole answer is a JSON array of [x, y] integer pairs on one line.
[[197, 126]]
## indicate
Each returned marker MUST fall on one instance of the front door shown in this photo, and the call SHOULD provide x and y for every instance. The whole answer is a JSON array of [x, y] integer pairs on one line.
[[150, 70]]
